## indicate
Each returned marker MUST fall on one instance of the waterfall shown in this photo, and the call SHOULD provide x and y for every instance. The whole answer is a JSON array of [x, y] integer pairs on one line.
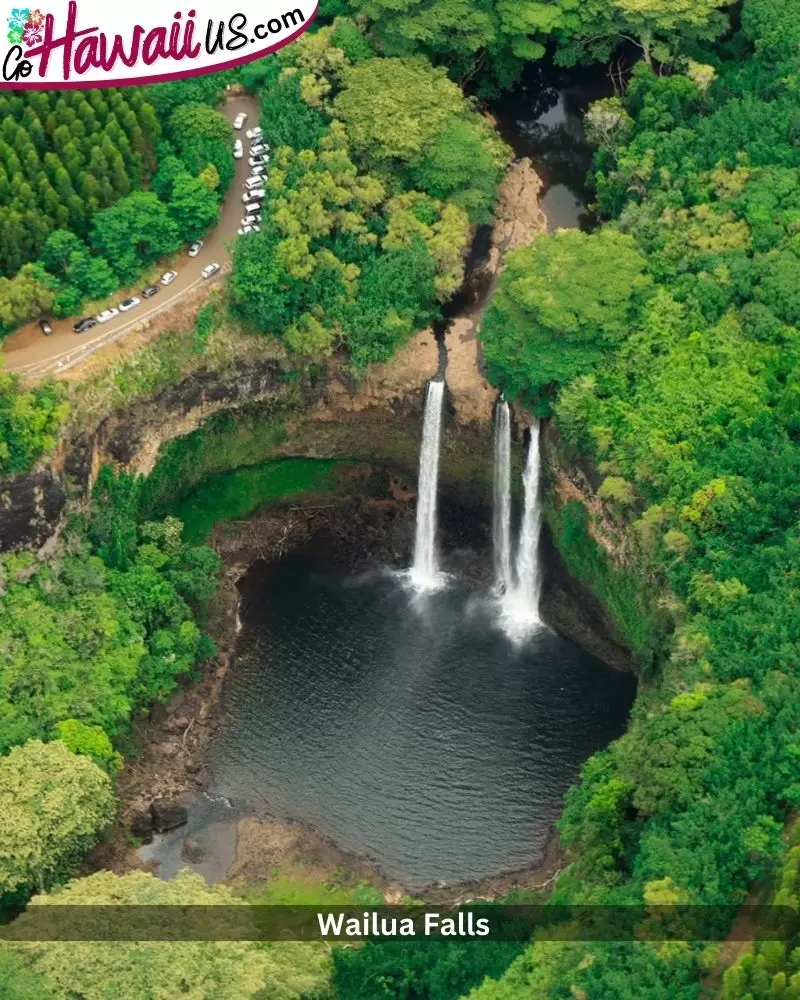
[[425, 571], [528, 575], [519, 609], [502, 498]]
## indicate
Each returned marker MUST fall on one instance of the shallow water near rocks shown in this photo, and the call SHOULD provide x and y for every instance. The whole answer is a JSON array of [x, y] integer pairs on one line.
[[407, 731]]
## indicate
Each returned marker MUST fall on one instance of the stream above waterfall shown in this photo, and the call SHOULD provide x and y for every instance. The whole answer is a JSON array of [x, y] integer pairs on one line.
[[417, 736]]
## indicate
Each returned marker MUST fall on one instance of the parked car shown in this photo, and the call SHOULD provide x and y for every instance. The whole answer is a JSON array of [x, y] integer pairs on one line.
[[255, 194], [195, 248], [106, 315], [248, 229], [251, 218], [258, 150], [150, 291], [239, 121], [85, 324], [238, 149], [209, 270], [257, 161], [127, 304], [253, 181], [168, 277], [258, 170], [44, 326], [254, 133]]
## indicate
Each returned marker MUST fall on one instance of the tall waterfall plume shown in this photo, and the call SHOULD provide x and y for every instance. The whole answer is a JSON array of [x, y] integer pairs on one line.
[[529, 583], [520, 604], [425, 573], [501, 527]]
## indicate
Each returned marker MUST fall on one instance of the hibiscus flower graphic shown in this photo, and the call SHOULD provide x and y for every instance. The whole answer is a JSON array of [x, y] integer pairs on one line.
[[18, 19], [32, 34], [35, 19], [15, 36]]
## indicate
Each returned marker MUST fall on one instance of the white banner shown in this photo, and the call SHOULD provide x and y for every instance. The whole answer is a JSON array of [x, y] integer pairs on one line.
[[94, 43]]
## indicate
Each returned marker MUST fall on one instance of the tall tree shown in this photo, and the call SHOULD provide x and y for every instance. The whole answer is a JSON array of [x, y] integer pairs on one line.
[[561, 304], [193, 206], [54, 803], [231, 970], [134, 232]]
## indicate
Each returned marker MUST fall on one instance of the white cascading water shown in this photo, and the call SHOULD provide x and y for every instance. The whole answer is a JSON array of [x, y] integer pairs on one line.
[[501, 528], [424, 574], [520, 605]]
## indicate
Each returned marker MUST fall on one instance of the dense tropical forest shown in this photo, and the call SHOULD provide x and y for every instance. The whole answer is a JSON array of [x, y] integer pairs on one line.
[[95, 185], [664, 346]]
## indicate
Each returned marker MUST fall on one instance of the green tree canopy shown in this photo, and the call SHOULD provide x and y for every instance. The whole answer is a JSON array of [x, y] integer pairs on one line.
[[53, 803], [29, 420], [196, 970], [24, 297], [133, 233], [405, 114], [560, 304], [203, 136], [193, 207]]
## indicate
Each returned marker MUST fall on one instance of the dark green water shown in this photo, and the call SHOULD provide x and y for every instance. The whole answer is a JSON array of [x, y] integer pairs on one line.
[[415, 735], [542, 117]]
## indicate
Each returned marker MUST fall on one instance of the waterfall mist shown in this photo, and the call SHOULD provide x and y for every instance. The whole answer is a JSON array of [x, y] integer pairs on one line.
[[424, 574], [501, 527]]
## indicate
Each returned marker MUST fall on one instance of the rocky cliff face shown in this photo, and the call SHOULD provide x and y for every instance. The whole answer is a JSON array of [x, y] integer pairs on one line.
[[31, 510], [333, 415], [130, 439]]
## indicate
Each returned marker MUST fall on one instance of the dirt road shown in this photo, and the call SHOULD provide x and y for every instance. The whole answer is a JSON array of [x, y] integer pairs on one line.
[[29, 352]]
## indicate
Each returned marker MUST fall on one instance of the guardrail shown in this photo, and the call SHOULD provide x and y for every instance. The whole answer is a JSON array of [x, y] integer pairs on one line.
[[62, 362]]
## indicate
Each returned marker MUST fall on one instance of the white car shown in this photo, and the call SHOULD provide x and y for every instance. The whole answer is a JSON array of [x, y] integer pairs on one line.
[[106, 315], [195, 248], [258, 150], [209, 270], [238, 150], [251, 218], [258, 161], [248, 229], [127, 304], [239, 121], [258, 170], [168, 277], [254, 133], [255, 197]]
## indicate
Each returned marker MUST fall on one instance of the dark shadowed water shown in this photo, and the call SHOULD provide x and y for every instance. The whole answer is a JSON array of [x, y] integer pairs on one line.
[[416, 736], [542, 117]]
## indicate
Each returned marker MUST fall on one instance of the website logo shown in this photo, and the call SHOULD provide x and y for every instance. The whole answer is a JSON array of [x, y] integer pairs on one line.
[[94, 44]]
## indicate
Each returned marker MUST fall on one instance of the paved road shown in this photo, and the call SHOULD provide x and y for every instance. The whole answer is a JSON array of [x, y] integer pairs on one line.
[[29, 352]]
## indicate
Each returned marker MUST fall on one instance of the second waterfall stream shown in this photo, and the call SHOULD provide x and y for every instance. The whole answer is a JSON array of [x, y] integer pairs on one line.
[[518, 588]]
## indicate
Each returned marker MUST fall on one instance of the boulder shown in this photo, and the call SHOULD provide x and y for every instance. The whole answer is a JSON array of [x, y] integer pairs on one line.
[[167, 816], [141, 826], [194, 851]]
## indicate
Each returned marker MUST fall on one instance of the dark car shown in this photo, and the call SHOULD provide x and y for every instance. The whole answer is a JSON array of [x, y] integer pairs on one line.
[[45, 327], [150, 291], [85, 324]]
